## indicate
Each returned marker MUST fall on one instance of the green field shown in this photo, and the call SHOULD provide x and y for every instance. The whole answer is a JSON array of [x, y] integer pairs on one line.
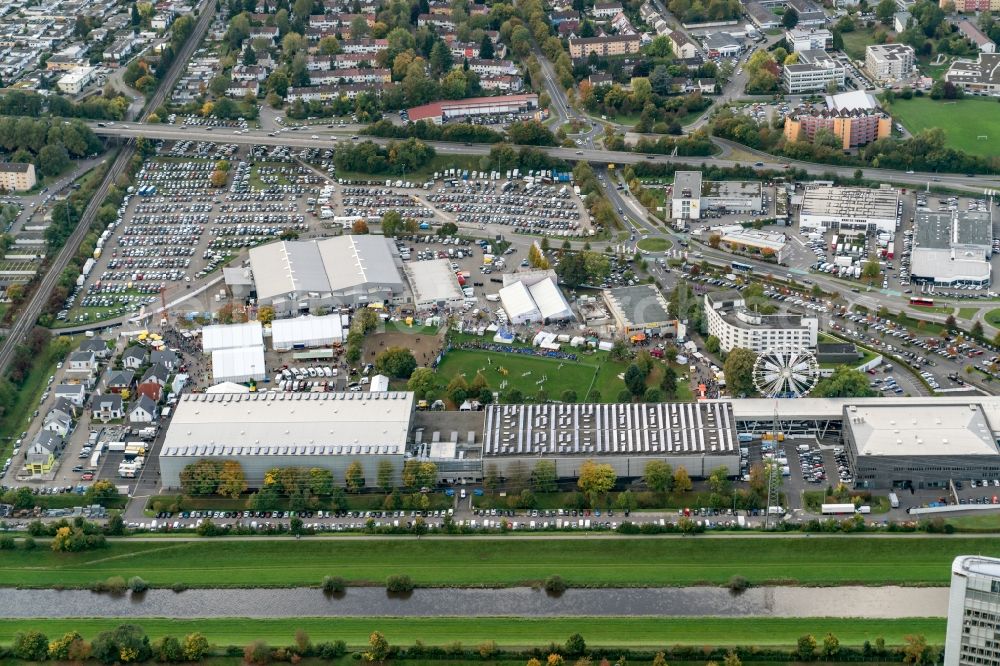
[[511, 632], [856, 41], [963, 121], [499, 562], [967, 313], [592, 371], [993, 317], [655, 244]]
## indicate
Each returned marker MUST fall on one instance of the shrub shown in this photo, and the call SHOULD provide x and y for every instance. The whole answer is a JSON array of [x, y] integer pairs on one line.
[[738, 584], [112, 585], [399, 584], [179, 587], [488, 650], [29, 543], [257, 653], [168, 649], [575, 645], [333, 650], [334, 585], [31, 646], [137, 585], [7, 542], [555, 585]]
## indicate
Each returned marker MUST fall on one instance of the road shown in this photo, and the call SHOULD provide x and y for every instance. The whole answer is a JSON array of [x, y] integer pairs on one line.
[[325, 136], [24, 323]]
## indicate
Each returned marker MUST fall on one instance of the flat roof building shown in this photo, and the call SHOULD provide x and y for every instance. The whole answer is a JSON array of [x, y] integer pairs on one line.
[[433, 284], [608, 46], [735, 325], [973, 612], [853, 117], [307, 332], [315, 275], [276, 429], [859, 208], [815, 71], [952, 247], [770, 245], [691, 195], [888, 63], [701, 437], [976, 76], [920, 445], [805, 39], [74, 81], [441, 112], [640, 309]]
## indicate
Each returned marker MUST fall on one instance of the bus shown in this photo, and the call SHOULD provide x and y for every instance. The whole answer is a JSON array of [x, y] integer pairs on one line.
[[741, 267], [919, 300]]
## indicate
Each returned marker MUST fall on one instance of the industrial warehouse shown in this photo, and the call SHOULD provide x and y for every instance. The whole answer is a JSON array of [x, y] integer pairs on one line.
[[952, 247], [850, 208], [892, 442], [296, 277]]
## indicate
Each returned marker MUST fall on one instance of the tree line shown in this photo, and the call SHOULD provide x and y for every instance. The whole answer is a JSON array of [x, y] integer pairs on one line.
[[47, 143], [129, 643], [396, 158]]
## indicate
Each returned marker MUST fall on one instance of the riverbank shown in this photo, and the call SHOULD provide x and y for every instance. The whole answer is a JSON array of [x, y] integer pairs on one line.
[[511, 632], [710, 602], [499, 562]]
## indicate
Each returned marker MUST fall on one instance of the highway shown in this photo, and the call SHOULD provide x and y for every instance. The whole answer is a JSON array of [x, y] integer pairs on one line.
[[24, 323], [325, 137]]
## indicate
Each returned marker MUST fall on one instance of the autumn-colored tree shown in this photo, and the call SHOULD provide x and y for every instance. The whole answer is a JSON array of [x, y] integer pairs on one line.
[[682, 481], [596, 479], [354, 477], [359, 226], [232, 482], [265, 315], [218, 178]]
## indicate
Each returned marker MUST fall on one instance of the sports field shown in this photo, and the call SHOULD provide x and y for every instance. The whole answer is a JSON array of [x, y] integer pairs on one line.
[[620, 562], [525, 373], [509, 632], [963, 121]]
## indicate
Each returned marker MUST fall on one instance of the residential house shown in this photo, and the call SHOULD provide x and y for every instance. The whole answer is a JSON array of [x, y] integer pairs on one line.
[[82, 360], [116, 381], [682, 45], [107, 407], [158, 373], [269, 33], [58, 421], [150, 389], [249, 73], [134, 357], [606, 10], [242, 89], [75, 393], [44, 451], [143, 410], [165, 357], [99, 346], [976, 36]]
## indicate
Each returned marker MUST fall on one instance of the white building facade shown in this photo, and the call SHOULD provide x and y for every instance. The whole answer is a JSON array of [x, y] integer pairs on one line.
[[973, 612]]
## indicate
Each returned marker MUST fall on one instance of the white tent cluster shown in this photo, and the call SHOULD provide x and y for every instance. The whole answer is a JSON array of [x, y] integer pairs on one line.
[[533, 296]]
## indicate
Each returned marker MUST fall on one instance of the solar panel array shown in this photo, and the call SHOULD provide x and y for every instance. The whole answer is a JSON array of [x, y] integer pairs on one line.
[[609, 429]]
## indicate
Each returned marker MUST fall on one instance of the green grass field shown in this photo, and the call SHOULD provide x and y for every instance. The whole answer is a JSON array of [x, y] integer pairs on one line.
[[993, 317], [655, 244], [967, 313], [592, 371], [498, 562], [963, 121], [856, 41], [511, 632]]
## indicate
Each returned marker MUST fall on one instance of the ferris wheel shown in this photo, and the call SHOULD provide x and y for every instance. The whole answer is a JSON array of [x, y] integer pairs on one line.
[[785, 373]]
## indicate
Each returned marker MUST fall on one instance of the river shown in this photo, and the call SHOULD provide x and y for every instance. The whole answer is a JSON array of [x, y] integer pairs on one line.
[[848, 601]]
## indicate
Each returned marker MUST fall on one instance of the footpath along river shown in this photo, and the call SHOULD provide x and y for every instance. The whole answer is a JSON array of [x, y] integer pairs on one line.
[[849, 601]]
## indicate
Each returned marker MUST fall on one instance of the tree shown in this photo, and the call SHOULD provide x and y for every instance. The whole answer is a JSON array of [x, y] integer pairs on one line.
[[218, 178], [739, 371], [392, 223], [658, 476], [845, 382], [69, 647], [396, 362], [125, 644], [635, 380], [378, 648], [384, 475], [486, 48], [712, 344], [543, 477], [257, 654], [595, 479], [265, 314], [626, 501], [732, 659], [831, 646], [575, 645], [359, 227], [916, 651], [871, 270], [195, 646], [440, 59], [232, 482], [201, 477], [682, 482], [422, 382], [354, 477], [790, 18], [977, 329], [718, 481], [807, 647], [31, 645], [885, 10]]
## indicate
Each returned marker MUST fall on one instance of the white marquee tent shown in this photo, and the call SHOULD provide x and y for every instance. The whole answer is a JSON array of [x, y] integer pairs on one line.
[[232, 336], [238, 365], [305, 332]]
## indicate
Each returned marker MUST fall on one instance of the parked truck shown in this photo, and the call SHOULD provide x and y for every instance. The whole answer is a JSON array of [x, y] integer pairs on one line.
[[893, 500]]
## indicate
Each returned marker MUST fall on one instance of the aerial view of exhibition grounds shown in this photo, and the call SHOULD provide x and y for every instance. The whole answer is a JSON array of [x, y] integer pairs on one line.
[[514, 332]]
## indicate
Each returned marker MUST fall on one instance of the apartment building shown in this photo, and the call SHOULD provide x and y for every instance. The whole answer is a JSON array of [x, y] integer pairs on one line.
[[735, 325], [814, 71], [853, 128], [888, 63], [682, 45], [17, 176], [615, 45], [976, 36], [966, 6], [973, 612], [806, 39]]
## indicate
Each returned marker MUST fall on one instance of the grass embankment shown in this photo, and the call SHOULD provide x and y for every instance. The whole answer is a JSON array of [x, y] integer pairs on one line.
[[967, 313], [499, 562], [964, 121], [654, 244], [993, 317], [632, 632]]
